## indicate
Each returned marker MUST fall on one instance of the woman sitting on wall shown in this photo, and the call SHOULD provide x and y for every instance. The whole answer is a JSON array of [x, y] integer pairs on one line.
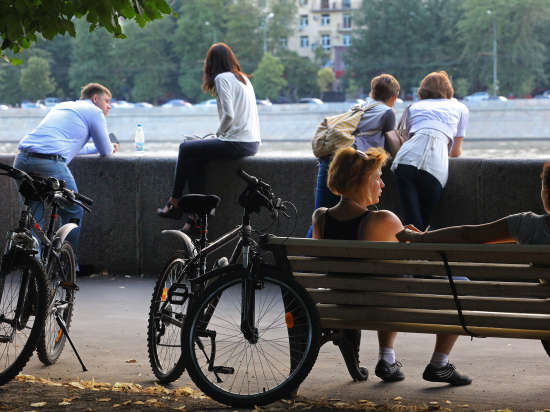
[[525, 228], [355, 177], [238, 134]]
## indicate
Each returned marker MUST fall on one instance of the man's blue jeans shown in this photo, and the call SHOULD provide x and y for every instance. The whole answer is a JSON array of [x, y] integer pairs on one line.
[[59, 170], [323, 196]]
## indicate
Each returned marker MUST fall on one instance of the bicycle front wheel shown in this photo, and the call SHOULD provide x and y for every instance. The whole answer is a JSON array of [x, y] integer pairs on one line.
[[61, 279], [240, 372], [23, 300], [165, 322]]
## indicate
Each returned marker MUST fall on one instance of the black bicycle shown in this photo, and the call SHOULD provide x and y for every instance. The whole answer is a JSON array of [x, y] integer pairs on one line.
[[250, 332], [37, 277]]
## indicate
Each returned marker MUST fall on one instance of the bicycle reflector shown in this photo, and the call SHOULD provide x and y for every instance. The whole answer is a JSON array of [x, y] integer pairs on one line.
[[163, 297], [289, 319]]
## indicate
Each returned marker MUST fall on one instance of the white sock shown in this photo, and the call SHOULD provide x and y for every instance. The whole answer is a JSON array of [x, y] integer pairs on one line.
[[439, 360], [388, 354]]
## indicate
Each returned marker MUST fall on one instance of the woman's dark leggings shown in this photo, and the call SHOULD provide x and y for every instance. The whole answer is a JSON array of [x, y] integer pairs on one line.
[[419, 192], [193, 156]]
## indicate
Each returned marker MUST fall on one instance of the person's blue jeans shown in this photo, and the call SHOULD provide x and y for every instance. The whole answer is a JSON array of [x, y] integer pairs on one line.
[[59, 170], [323, 196], [193, 156], [420, 192]]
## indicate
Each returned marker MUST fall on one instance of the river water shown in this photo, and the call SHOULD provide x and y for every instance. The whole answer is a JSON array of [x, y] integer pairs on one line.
[[488, 149]]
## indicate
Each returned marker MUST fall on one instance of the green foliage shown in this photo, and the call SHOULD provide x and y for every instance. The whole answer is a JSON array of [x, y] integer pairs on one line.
[[22, 21], [283, 23], [522, 45], [268, 78], [462, 87], [352, 88], [326, 79], [300, 74], [244, 33], [36, 80]]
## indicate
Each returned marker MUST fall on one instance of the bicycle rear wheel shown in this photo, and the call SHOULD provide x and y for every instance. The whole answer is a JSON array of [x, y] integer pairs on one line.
[[165, 320], [23, 300], [61, 279], [230, 369]]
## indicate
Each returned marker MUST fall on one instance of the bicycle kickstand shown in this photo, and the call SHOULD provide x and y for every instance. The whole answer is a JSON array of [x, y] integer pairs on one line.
[[63, 327]]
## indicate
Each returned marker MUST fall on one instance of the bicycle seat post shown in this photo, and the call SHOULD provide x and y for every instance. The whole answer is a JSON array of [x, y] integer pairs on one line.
[[203, 223]]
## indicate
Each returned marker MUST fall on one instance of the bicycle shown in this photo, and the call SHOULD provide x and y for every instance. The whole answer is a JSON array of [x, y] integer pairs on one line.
[[247, 320], [47, 285], [168, 308]]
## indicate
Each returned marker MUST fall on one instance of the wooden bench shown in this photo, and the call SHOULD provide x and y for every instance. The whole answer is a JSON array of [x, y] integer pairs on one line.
[[355, 286]]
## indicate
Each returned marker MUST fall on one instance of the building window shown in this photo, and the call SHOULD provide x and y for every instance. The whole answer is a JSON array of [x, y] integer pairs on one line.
[[303, 2], [346, 4], [346, 40], [324, 4], [284, 42], [304, 42], [346, 21], [304, 21], [325, 19], [325, 41]]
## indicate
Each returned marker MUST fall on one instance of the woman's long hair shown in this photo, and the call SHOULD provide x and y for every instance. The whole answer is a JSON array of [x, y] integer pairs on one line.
[[220, 59]]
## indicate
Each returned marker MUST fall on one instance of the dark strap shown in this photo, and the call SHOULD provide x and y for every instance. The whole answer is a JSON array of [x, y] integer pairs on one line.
[[455, 296]]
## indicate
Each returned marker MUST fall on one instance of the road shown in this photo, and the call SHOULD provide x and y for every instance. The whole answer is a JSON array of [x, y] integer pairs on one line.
[[109, 329]]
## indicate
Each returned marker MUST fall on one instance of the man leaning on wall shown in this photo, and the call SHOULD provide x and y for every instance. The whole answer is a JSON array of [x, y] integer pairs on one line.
[[69, 129]]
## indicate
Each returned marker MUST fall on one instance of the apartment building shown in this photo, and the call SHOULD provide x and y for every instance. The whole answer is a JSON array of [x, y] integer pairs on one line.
[[327, 24]]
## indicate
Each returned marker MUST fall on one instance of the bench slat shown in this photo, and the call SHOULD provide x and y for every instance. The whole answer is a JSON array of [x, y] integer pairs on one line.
[[423, 286], [416, 301], [444, 317], [433, 328], [539, 254], [501, 272]]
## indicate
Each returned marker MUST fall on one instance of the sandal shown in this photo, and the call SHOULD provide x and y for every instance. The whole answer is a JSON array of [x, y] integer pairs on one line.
[[170, 211]]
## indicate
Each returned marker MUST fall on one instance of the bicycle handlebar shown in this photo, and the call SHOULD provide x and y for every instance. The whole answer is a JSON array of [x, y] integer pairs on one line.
[[262, 195]]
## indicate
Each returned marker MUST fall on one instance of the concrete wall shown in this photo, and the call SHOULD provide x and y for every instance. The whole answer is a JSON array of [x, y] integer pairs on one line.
[[122, 234], [529, 118]]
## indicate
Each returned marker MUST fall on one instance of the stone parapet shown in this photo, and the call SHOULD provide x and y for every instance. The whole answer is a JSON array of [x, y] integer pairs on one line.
[[122, 234]]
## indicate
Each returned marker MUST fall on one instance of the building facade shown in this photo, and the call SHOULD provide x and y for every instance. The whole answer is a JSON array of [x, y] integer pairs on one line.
[[327, 24]]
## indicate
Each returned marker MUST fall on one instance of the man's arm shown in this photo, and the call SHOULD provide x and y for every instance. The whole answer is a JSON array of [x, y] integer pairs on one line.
[[100, 136]]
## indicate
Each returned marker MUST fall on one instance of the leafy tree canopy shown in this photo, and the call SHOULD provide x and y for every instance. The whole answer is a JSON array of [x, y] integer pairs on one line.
[[22, 21], [268, 78]]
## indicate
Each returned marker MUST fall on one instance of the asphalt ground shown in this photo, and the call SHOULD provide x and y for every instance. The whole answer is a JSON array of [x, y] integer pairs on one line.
[[109, 329]]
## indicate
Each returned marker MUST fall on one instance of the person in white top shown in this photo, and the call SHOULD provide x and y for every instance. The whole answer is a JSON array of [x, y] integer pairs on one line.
[[238, 134], [437, 126]]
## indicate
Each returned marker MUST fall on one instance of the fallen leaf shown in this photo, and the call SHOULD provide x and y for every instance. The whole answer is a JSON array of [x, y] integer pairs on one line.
[[131, 361], [116, 405], [150, 401], [433, 403], [104, 399], [64, 403], [139, 403], [398, 398], [180, 408], [77, 385], [448, 402], [38, 404]]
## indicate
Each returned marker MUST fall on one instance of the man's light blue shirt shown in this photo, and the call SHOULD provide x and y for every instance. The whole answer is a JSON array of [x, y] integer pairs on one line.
[[67, 129]]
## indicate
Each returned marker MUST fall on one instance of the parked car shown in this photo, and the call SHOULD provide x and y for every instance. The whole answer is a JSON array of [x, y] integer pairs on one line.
[[51, 101], [4, 107], [31, 105], [476, 97], [177, 103], [310, 100], [544, 95], [209, 102], [121, 104], [143, 104], [264, 102]]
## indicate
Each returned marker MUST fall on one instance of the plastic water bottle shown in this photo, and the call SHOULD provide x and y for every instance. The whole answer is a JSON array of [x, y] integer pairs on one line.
[[139, 139]]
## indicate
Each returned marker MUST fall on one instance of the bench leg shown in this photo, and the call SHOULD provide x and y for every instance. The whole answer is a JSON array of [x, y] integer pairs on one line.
[[349, 342]]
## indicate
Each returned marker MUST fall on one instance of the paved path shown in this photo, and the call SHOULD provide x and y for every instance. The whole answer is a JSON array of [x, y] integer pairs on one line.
[[109, 328]]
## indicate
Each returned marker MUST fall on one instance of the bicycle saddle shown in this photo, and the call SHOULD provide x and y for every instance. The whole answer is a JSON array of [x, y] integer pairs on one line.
[[199, 204]]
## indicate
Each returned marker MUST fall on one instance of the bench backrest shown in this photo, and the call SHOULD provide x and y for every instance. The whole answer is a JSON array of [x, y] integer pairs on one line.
[[370, 285]]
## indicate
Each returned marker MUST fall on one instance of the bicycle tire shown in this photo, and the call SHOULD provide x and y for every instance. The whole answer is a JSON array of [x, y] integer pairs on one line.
[[283, 308], [15, 353], [61, 297], [164, 339]]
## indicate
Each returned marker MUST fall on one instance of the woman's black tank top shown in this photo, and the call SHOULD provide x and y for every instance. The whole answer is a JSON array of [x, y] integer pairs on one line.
[[342, 229]]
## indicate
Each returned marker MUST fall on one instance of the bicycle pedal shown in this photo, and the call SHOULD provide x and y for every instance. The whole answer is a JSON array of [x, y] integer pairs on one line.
[[226, 370], [69, 285]]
